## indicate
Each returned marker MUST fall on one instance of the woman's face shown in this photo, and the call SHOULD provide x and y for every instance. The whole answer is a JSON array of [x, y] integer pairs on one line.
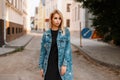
[[56, 20]]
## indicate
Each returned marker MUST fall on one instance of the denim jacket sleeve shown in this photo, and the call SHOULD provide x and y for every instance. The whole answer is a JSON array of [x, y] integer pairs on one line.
[[68, 51], [42, 52]]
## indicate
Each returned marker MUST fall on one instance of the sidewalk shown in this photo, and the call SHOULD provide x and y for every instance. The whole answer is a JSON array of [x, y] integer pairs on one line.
[[16, 44], [100, 52]]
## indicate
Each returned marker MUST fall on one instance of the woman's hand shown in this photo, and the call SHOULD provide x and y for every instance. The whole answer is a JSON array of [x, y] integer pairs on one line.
[[63, 70], [41, 73]]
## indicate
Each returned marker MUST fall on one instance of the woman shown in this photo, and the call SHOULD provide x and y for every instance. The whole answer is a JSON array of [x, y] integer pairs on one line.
[[56, 56]]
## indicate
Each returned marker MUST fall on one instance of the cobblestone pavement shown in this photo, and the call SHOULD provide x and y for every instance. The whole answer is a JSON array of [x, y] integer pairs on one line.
[[23, 65]]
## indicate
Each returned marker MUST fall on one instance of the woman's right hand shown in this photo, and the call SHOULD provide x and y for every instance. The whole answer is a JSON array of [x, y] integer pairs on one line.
[[41, 73]]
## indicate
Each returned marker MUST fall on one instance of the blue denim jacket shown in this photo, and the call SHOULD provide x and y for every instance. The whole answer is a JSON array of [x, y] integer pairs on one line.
[[64, 52]]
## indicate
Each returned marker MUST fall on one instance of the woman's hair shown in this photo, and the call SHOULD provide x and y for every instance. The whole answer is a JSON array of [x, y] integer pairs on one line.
[[61, 16]]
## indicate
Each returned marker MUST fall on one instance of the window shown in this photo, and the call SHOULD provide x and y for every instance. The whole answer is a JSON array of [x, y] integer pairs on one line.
[[13, 30], [8, 30], [68, 7], [68, 22], [36, 11]]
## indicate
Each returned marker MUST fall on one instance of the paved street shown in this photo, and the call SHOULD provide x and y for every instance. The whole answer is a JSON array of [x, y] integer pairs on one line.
[[24, 65]]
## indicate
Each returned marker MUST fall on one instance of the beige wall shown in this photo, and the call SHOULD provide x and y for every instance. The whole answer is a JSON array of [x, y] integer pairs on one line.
[[12, 16], [26, 15], [77, 17]]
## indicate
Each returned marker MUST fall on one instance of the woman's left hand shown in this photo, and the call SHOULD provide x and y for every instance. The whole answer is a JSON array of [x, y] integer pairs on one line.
[[63, 70]]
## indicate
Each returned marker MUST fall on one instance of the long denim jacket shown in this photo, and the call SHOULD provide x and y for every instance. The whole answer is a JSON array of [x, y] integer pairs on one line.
[[64, 52]]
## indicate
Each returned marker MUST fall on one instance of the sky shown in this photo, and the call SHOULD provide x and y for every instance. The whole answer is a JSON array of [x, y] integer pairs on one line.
[[33, 4]]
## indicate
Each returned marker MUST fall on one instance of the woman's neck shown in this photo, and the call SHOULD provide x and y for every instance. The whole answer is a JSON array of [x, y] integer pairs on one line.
[[54, 28]]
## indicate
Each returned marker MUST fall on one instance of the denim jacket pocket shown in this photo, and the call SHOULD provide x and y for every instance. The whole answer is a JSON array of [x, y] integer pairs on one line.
[[62, 43]]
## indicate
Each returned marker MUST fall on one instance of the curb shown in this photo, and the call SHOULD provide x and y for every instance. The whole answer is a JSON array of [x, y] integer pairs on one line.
[[17, 48], [5, 54], [111, 66]]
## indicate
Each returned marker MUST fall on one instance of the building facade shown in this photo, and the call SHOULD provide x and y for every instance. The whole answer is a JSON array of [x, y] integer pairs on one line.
[[77, 16], [63, 6], [14, 19], [80, 18], [41, 16]]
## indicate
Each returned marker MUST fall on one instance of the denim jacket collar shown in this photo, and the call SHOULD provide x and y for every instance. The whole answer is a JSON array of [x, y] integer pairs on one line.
[[49, 32]]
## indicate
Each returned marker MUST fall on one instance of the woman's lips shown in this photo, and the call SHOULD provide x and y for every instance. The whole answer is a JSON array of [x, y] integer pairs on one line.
[[57, 23]]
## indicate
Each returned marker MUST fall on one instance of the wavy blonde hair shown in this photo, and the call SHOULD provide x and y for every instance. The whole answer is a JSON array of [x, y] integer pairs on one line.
[[61, 16]]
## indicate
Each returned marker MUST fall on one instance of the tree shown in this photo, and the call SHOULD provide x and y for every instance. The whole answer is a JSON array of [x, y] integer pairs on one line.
[[107, 18]]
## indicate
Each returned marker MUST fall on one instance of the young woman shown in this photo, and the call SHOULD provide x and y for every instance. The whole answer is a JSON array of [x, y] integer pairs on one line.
[[55, 61]]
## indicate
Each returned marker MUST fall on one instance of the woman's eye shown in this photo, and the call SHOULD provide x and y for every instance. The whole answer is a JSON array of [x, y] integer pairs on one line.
[[55, 18]]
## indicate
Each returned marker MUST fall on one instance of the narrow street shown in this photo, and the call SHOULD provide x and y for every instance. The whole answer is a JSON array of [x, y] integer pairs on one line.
[[24, 65]]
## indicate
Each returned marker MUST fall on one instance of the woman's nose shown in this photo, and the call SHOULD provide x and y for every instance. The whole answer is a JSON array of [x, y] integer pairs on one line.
[[57, 20]]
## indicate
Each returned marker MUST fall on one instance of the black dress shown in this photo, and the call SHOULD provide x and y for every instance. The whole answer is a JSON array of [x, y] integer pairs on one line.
[[52, 72]]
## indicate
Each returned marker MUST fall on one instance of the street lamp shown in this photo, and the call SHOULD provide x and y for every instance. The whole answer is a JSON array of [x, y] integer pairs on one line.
[[80, 36]]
